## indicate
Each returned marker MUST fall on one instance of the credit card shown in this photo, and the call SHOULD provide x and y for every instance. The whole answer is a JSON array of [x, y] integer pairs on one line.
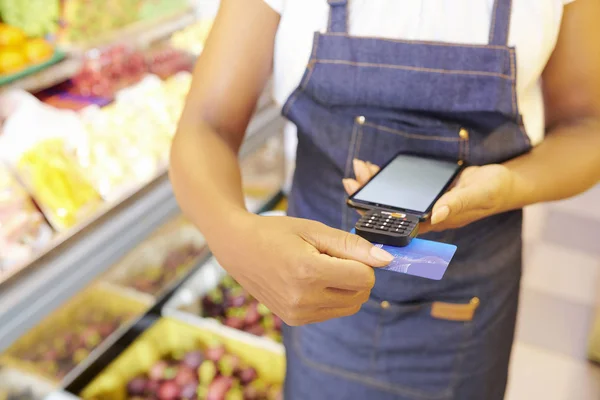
[[422, 258]]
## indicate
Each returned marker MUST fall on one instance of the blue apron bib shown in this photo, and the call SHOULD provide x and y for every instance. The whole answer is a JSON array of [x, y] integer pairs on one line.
[[369, 98]]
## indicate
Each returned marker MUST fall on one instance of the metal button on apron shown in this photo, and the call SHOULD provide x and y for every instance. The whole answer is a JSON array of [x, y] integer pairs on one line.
[[385, 305]]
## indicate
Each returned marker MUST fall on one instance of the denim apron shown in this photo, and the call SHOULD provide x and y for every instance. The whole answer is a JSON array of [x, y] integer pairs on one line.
[[370, 98]]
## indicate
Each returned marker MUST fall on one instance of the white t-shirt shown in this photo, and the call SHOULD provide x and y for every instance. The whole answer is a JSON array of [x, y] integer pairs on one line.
[[535, 25]]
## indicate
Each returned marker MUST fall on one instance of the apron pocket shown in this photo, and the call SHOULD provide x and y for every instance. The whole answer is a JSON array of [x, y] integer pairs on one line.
[[397, 348], [421, 350], [378, 141]]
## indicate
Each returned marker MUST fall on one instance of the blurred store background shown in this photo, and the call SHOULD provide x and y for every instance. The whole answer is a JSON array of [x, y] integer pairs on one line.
[[106, 290]]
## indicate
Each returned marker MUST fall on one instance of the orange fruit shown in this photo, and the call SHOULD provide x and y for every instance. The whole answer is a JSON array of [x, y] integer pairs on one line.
[[11, 36], [37, 50], [12, 61]]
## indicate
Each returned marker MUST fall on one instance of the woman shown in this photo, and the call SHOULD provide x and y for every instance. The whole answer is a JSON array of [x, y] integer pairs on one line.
[[429, 76]]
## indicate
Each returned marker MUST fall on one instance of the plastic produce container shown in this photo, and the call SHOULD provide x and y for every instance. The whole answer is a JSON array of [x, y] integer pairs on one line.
[[17, 385], [160, 261], [69, 336], [172, 339]]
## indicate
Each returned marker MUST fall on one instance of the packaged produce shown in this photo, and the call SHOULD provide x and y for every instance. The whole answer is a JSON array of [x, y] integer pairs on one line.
[[35, 143], [165, 61], [155, 9], [24, 394], [39, 23], [192, 38], [57, 183], [85, 21], [107, 70], [23, 230], [115, 157], [68, 336], [17, 385], [212, 296], [158, 262], [127, 143], [174, 360], [234, 307]]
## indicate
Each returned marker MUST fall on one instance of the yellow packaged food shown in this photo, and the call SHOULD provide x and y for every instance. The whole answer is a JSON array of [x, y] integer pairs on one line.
[[37, 143], [57, 183], [23, 230]]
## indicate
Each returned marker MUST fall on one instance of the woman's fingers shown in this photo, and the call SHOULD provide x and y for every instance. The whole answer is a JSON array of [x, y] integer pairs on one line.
[[373, 169], [351, 186], [361, 171], [364, 171]]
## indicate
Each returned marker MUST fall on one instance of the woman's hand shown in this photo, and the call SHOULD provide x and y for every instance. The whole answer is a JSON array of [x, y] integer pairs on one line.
[[304, 271], [479, 192]]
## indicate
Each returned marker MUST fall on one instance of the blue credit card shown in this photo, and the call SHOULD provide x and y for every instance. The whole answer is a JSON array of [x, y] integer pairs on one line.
[[422, 258]]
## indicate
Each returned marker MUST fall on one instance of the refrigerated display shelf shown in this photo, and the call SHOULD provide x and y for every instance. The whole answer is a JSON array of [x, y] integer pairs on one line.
[[78, 257], [139, 34], [121, 340]]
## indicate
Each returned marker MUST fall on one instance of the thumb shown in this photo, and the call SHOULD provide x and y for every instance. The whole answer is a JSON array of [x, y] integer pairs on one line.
[[347, 246], [456, 201]]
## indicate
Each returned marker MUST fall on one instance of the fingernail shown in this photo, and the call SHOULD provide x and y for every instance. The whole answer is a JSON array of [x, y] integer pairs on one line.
[[440, 215], [356, 164], [381, 255]]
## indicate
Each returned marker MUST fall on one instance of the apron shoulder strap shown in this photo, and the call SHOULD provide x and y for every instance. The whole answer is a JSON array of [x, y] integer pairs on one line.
[[500, 26], [338, 16]]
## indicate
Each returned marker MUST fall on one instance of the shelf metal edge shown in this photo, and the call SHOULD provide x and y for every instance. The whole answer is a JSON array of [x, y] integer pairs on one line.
[[30, 297], [40, 289], [51, 76]]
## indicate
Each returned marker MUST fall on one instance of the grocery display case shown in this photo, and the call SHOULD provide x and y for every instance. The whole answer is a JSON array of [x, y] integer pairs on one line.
[[81, 281], [56, 346], [171, 347], [213, 297], [94, 251], [75, 257], [71, 304]]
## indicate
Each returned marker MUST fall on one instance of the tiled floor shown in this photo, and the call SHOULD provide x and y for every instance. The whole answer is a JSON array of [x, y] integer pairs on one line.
[[559, 304], [540, 374]]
